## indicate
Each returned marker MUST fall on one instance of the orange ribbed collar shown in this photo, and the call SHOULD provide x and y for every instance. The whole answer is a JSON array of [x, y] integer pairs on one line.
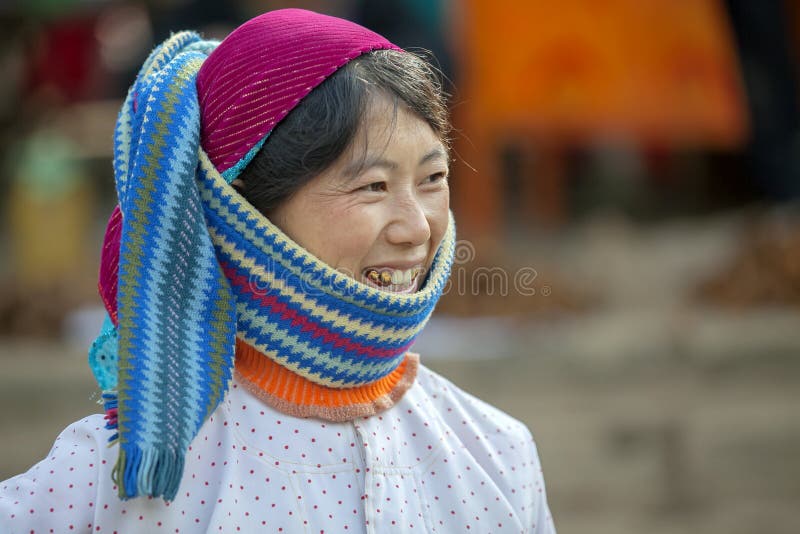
[[292, 394]]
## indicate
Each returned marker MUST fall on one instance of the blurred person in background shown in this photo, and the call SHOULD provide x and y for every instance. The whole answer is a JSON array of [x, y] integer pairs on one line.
[[283, 234]]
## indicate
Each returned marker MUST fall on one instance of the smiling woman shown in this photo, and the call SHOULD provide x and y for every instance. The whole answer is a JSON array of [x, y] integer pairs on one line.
[[383, 223], [283, 234], [343, 161]]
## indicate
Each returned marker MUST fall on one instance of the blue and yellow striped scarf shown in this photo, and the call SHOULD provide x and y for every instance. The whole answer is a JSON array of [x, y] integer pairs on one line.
[[199, 267]]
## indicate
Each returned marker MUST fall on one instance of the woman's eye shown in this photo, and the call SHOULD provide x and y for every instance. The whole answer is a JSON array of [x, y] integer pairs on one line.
[[374, 187], [437, 177]]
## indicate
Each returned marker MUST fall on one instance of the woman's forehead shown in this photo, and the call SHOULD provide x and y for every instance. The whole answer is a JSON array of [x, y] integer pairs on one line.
[[390, 130]]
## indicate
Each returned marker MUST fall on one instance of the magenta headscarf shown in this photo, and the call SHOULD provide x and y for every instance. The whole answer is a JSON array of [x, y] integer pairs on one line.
[[259, 73]]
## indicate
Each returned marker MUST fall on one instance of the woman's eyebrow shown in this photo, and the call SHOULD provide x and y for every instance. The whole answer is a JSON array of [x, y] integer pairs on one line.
[[357, 167], [436, 153]]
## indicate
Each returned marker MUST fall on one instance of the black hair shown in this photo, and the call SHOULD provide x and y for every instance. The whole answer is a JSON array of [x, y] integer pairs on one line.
[[324, 124]]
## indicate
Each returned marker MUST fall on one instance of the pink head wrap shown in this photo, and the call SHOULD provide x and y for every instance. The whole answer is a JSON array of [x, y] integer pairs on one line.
[[259, 73]]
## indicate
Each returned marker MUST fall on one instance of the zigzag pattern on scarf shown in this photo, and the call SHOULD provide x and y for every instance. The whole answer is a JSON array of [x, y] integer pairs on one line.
[[305, 315], [176, 323]]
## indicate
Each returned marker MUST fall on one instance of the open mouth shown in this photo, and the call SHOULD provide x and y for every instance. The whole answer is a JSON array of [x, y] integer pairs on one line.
[[393, 280]]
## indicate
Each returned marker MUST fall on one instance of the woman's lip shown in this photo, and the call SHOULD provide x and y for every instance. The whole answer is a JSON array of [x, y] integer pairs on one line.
[[394, 267]]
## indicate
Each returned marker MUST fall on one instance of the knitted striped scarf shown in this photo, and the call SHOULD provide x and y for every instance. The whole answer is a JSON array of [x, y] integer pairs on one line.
[[190, 271]]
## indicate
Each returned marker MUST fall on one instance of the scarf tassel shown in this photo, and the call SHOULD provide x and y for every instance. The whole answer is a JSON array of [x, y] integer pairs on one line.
[[153, 471], [110, 407]]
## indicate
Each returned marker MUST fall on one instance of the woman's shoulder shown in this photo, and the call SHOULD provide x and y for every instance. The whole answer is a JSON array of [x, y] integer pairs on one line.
[[456, 405], [486, 437], [61, 489]]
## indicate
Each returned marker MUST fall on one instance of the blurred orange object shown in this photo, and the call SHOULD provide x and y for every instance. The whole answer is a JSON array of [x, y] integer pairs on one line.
[[573, 71]]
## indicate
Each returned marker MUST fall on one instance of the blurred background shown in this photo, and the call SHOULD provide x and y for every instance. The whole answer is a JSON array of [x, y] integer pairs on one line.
[[626, 178]]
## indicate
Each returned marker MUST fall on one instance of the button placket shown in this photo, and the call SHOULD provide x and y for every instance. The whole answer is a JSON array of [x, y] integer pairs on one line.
[[392, 498]]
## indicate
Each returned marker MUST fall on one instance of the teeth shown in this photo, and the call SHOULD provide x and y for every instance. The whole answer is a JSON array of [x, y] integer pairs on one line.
[[403, 277], [386, 278]]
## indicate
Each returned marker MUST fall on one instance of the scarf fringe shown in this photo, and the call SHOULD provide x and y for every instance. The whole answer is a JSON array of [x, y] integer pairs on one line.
[[156, 472], [111, 417]]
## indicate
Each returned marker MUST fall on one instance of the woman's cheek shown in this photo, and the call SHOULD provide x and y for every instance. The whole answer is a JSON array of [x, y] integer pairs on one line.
[[440, 210], [355, 235]]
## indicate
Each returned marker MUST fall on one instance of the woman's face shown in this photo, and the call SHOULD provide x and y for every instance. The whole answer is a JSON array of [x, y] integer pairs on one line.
[[380, 222]]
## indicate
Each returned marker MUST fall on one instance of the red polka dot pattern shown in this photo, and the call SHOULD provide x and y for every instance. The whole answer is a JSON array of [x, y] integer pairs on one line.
[[438, 461]]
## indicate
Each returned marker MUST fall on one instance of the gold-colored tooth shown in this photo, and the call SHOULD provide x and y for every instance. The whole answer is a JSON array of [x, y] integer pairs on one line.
[[374, 276], [386, 278]]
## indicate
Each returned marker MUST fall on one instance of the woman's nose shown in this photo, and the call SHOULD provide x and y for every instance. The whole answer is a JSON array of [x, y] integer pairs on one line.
[[410, 225]]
